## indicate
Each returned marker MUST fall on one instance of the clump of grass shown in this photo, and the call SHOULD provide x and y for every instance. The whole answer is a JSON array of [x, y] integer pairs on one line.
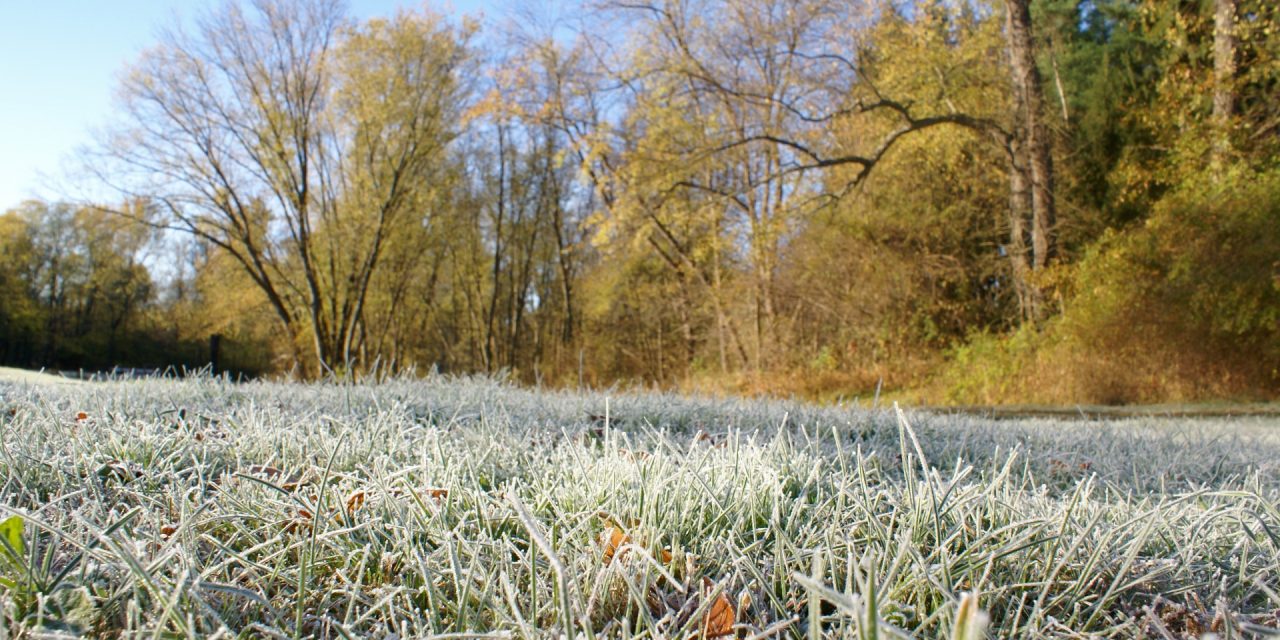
[[465, 506]]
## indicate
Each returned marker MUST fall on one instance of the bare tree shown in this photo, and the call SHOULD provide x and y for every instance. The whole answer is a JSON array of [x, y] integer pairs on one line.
[[297, 142]]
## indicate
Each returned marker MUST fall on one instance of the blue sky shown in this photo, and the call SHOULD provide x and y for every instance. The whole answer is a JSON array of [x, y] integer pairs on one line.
[[59, 60]]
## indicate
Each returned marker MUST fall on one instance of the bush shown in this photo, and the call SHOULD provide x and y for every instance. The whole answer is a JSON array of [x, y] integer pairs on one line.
[[1184, 306]]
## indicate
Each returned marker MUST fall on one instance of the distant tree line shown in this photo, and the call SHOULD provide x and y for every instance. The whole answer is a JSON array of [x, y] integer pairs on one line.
[[1015, 200], [77, 292]]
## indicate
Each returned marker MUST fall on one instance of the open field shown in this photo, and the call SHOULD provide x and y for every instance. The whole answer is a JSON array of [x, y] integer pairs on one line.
[[24, 377], [468, 507]]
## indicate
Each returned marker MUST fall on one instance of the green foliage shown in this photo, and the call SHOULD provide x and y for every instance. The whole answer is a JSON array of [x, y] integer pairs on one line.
[[907, 264], [1197, 280], [11, 546], [1106, 62], [1184, 307], [988, 368]]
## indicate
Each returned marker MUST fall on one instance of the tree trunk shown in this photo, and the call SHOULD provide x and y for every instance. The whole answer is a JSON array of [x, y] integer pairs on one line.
[[1035, 145], [1017, 251], [1224, 71]]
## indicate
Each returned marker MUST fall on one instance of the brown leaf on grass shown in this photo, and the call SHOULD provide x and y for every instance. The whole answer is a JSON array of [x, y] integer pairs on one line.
[[717, 441], [615, 536], [435, 493], [120, 470], [612, 539], [356, 500], [299, 523], [720, 618]]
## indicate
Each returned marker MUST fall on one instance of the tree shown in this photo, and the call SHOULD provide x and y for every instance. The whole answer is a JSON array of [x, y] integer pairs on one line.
[[77, 287], [1031, 160], [1224, 72], [298, 143], [784, 76]]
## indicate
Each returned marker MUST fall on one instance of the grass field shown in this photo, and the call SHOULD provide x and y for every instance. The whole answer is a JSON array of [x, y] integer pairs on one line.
[[469, 508]]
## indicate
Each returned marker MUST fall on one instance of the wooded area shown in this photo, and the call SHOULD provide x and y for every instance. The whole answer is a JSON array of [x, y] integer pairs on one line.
[[973, 202]]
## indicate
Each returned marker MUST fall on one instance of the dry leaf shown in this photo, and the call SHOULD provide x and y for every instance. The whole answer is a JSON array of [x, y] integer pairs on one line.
[[120, 470], [612, 539], [294, 481], [301, 522], [720, 618], [355, 501]]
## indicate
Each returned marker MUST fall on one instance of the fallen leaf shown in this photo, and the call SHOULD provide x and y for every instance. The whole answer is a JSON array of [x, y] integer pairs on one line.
[[355, 501], [120, 470], [301, 522], [720, 618], [615, 536], [612, 539], [263, 470]]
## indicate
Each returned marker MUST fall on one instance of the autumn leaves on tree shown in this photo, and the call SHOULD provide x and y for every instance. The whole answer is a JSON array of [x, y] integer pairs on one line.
[[802, 196]]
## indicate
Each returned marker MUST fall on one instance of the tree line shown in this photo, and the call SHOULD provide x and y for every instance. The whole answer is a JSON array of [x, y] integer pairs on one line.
[[1017, 200]]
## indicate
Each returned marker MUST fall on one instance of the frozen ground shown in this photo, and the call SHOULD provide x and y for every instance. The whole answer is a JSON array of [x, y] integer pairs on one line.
[[443, 506]]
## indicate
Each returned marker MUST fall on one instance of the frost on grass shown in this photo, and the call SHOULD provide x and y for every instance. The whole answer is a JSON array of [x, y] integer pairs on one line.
[[446, 506]]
